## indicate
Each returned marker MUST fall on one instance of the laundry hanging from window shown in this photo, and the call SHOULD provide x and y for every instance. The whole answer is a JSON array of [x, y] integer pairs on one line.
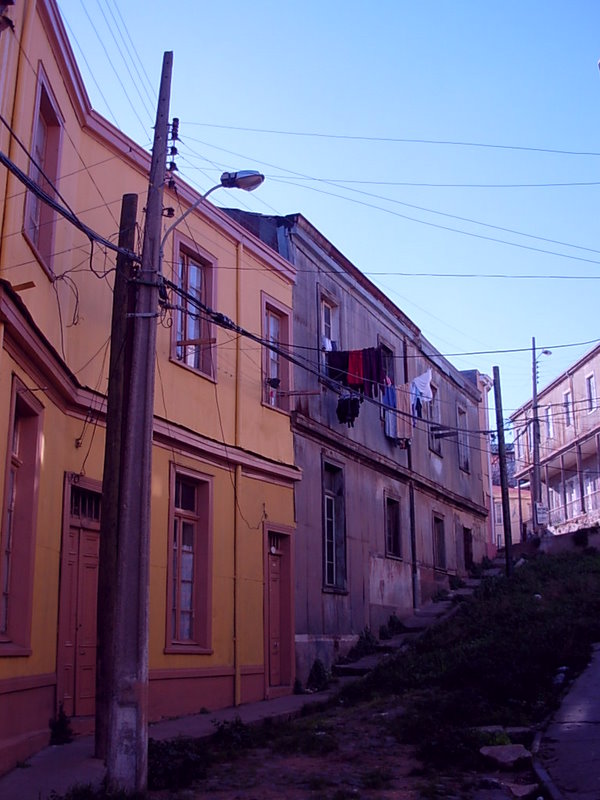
[[359, 370], [420, 392], [348, 408], [396, 414]]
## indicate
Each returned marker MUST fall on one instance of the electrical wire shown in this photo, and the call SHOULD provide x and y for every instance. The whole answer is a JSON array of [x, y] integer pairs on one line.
[[64, 212], [428, 223], [112, 66], [398, 140]]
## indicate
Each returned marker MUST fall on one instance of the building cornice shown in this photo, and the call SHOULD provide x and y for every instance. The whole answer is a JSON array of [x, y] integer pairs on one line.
[[326, 437]]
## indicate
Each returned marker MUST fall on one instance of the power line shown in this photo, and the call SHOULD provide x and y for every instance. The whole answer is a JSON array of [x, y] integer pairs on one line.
[[428, 223], [398, 140], [64, 212]]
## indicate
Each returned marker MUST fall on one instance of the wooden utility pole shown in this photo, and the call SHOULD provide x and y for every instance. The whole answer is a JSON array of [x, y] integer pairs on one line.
[[535, 473], [503, 475], [120, 366], [124, 741]]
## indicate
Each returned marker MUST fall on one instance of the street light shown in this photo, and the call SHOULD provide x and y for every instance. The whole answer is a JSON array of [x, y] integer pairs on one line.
[[246, 179], [536, 483]]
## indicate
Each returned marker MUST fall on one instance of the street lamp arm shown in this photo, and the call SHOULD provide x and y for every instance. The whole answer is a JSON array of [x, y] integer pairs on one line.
[[246, 179]]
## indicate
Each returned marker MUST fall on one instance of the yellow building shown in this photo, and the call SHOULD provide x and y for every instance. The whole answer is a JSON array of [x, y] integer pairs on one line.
[[222, 512]]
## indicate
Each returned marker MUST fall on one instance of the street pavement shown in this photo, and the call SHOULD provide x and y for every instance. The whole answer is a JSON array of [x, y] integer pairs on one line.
[[566, 759]]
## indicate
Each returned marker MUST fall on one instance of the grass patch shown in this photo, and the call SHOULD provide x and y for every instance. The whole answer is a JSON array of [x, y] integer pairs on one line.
[[496, 660]]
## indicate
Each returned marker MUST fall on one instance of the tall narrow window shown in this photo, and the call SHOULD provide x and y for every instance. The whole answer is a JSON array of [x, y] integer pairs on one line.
[[463, 439], [194, 340], [43, 170], [590, 391], [190, 569], [388, 363], [393, 541], [334, 527], [434, 415], [568, 408], [498, 519], [330, 333], [549, 422], [439, 543], [17, 537], [276, 370]]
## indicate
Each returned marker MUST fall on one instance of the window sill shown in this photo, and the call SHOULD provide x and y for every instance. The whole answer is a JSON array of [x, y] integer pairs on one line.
[[11, 649], [285, 411], [188, 648], [394, 557], [334, 590], [200, 373], [38, 256]]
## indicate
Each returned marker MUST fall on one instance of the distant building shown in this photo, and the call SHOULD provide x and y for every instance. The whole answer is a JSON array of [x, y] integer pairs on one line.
[[519, 503], [569, 421]]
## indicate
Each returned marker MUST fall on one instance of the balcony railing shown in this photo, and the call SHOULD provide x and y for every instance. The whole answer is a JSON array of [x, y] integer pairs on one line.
[[572, 509]]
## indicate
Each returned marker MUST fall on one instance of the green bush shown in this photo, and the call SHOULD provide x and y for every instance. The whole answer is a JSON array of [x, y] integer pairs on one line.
[[384, 633], [319, 677], [580, 538], [366, 645]]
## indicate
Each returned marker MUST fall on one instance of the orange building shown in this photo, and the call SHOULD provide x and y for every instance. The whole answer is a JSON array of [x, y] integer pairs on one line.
[[223, 475]]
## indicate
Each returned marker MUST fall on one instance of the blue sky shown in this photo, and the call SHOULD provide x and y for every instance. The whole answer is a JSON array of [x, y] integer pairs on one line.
[[324, 96]]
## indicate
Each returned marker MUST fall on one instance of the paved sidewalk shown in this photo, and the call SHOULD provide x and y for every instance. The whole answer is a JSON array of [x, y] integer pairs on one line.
[[568, 759], [60, 767]]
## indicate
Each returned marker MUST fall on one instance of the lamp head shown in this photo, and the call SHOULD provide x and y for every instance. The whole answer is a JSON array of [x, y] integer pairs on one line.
[[246, 179], [546, 353]]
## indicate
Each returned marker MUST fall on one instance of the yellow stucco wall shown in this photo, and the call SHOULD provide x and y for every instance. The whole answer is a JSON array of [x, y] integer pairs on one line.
[[97, 166]]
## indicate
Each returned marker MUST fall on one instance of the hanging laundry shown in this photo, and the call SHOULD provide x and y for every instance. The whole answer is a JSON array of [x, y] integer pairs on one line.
[[355, 369], [347, 410], [403, 411], [373, 372], [390, 418], [337, 366], [420, 392]]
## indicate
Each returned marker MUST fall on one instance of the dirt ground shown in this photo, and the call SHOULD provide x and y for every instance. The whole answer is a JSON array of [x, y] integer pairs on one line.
[[343, 754]]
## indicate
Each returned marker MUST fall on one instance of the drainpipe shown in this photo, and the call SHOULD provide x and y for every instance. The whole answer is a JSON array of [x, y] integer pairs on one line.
[[237, 667], [416, 587]]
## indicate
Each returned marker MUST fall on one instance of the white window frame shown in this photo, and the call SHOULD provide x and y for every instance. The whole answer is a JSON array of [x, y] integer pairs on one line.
[[549, 422], [462, 438], [590, 392], [276, 373], [329, 327], [198, 353]]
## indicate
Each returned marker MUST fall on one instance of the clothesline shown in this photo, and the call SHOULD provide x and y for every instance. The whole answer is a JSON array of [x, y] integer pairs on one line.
[[363, 372]]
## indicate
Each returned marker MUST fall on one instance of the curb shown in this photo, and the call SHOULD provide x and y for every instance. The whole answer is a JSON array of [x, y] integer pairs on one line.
[[541, 772]]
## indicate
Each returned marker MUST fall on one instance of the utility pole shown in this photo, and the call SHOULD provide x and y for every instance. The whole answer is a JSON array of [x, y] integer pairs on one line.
[[535, 474], [124, 740], [120, 367], [503, 475]]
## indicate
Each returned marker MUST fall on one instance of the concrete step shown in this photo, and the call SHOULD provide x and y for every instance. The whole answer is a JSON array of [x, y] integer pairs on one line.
[[358, 668]]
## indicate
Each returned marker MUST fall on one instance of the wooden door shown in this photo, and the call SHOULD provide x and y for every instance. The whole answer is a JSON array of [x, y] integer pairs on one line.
[[86, 646], [77, 641], [274, 618]]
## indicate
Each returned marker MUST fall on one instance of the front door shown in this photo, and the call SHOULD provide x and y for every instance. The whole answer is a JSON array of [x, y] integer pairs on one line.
[[274, 614], [468, 548], [76, 667]]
